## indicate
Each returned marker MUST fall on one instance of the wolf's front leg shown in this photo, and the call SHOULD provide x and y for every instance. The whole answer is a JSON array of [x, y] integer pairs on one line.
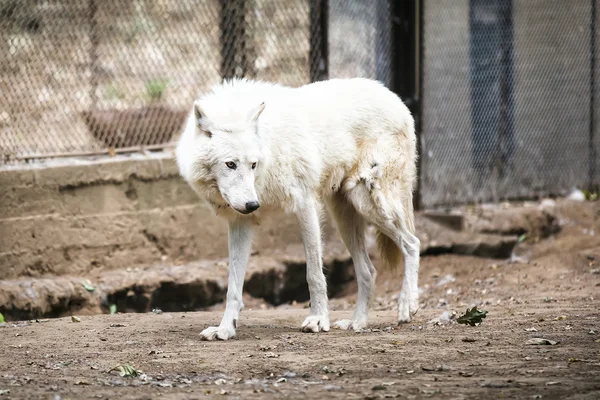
[[308, 218], [240, 242]]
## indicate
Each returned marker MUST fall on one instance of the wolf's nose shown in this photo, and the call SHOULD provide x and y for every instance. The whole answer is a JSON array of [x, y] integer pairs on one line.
[[252, 206]]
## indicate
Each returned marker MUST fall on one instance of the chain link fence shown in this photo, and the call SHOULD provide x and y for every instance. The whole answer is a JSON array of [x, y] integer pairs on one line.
[[84, 77], [510, 99], [508, 89], [96, 76]]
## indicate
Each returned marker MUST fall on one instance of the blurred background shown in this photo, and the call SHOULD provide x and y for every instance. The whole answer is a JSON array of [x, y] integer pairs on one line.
[[93, 94]]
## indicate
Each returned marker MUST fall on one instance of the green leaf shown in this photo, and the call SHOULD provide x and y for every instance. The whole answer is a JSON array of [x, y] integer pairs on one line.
[[472, 317], [589, 195], [155, 88], [113, 309], [88, 286], [522, 238], [1, 318], [125, 370]]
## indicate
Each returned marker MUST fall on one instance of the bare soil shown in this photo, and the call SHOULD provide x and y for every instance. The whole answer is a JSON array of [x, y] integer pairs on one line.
[[550, 289]]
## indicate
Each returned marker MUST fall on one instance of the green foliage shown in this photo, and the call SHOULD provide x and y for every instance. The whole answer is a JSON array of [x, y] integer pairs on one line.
[[113, 91], [155, 89], [125, 370], [591, 195], [87, 285], [472, 317]]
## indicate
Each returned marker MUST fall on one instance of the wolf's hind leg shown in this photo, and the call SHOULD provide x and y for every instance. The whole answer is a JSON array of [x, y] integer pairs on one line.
[[392, 214], [351, 226], [407, 241]]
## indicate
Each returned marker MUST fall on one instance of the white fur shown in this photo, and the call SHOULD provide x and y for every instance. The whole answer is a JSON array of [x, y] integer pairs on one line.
[[348, 144]]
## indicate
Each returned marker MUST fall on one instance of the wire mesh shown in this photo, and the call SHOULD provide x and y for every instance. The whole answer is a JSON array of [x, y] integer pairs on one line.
[[79, 77], [509, 87], [508, 103], [360, 39]]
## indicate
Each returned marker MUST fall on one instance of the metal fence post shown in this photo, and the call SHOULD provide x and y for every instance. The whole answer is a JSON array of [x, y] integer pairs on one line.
[[94, 41], [383, 43], [405, 65], [592, 149], [319, 49], [232, 24]]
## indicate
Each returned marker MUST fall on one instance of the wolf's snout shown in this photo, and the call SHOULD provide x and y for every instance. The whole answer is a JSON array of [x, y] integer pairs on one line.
[[252, 206]]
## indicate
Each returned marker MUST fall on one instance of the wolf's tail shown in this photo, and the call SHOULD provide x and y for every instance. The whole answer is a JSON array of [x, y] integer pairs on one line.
[[390, 254]]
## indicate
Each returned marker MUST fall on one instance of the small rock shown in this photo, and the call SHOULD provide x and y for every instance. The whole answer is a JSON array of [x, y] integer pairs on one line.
[[440, 367], [332, 387], [576, 195], [547, 203], [469, 339], [75, 319], [281, 380], [378, 387], [443, 319], [531, 330], [495, 385], [552, 383], [449, 278], [541, 342]]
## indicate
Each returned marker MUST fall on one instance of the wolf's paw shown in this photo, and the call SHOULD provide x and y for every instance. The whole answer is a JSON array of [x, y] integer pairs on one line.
[[413, 305], [217, 333], [346, 324], [407, 307], [316, 323]]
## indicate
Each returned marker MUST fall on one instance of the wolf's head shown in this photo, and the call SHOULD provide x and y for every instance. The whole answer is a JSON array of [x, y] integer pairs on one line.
[[229, 153]]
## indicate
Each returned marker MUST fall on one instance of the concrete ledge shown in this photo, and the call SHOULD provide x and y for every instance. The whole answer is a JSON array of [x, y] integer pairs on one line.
[[74, 216]]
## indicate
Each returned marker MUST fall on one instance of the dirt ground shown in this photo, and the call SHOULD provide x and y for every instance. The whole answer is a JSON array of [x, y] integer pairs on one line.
[[550, 289]]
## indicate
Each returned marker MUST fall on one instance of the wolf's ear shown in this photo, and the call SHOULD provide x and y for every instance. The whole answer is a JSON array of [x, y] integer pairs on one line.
[[255, 113], [199, 117]]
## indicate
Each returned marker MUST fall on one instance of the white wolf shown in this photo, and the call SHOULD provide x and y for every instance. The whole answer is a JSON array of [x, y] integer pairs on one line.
[[346, 143]]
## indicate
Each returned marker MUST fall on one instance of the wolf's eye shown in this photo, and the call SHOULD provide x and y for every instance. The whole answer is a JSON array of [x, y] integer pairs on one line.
[[253, 165], [230, 165]]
